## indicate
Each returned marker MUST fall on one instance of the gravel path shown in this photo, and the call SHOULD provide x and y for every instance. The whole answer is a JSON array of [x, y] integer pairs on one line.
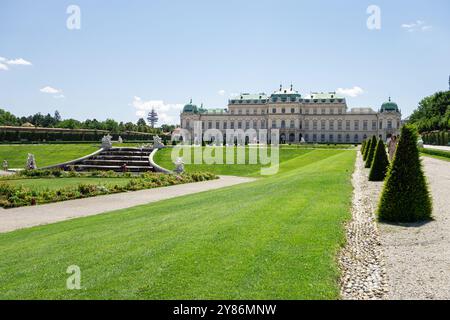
[[418, 255], [361, 260], [24, 217]]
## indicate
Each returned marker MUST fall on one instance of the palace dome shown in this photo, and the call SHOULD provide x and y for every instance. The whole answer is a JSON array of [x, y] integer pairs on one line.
[[389, 106], [192, 108]]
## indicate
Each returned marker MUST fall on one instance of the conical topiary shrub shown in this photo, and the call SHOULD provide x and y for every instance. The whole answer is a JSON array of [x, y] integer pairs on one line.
[[405, 196], [380, 163], [371, 152], [363, 144], [366, 149]]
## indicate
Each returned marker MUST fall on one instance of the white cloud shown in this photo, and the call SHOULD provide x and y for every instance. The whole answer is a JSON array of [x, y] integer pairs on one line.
[[59, 96], [350, 92], [49, 89], [168, 113], [2, 59], [221, 92], [3, 66], [418, 25], [19, 62]]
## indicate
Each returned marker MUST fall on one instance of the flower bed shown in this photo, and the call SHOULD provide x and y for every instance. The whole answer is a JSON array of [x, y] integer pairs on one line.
[[16, 196]]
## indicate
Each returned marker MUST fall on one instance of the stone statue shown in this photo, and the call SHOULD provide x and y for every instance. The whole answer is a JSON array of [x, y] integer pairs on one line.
[[31, 162], [157, 142], [302, 140], [120, 140], [107, 142], [5, 165], [179, 165]]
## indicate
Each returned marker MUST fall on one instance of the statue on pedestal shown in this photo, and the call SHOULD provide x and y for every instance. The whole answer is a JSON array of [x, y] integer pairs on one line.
[[179, 165], [107, 142], [120, 140], [31, 162], [157, 142]]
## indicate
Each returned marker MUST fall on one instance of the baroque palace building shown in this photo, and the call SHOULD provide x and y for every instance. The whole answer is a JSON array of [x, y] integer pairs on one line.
[[316, 118]]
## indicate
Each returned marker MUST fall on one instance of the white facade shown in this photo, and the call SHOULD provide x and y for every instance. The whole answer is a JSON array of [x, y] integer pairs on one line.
[[316, 118]]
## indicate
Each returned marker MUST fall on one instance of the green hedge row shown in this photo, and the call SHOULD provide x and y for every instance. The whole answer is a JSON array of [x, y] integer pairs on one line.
[[434, 152], [439, 138], [39, 136]]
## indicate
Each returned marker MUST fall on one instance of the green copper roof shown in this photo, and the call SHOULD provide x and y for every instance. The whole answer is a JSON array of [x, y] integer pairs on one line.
[[248, 96], [389, 106]]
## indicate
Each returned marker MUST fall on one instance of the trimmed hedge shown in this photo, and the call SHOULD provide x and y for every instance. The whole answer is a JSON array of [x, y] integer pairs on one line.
[[371, 152], [405, 196], [380, 163], [435, 152], [363, 144], [366, 149], [440, 138]]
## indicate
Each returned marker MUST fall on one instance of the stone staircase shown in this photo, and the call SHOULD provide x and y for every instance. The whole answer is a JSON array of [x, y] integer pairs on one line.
[[136, 160]]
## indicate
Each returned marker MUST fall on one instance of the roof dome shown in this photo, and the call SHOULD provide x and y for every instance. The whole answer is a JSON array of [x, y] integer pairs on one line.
[[389, 106], [190, 107]]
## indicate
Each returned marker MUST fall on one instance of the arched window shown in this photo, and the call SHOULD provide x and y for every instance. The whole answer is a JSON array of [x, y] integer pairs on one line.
[[356, 138], [283, 124]]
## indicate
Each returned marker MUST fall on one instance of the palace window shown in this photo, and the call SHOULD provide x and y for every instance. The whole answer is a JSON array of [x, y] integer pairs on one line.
[[247, 124], [355, 138], [203, 125], [254, 111], [314, 124], [381, 124], [306, 137], [283, 110], [323, 111], [339, 137], [347, 125], [232, 111], [274, 124], [389, 124], [292, 124], [239, 125], [374, 125], [247, 111], [356, 124], [274, 110], [314, 111], [307, 124], [347, 138], [306, 111], [240, 111], [331, 124], [322, 125], [187, 123], [283, 124], [314, 137], [225, 125], [292, 110], [217, 125], [322, 138], [331, 138], [339, 125], [339, 111], [331, 111], [364, 136], [209, 124], [232, 125], [255, 125], [263, 124], [365, 124]]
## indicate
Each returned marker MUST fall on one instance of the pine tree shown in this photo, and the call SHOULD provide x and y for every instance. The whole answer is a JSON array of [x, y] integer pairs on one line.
[[366, 149], [371, 152], [380, 163], [405, 196]]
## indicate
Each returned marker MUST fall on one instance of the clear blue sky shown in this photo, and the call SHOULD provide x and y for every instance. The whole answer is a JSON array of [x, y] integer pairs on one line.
[[128, 55]]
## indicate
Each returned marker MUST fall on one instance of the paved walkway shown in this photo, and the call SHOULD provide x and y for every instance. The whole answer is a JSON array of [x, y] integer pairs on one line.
[[418, 255], [444, 148], [24, 217]]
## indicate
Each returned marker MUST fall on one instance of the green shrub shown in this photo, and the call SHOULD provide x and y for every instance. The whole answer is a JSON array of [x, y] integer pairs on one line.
[[380, 163], [366, 149], [405, 196], [363, 144], [371, 152]]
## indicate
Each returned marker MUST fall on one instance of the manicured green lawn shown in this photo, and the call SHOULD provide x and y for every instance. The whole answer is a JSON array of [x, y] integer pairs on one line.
[[163, 158], [45, 155], [435, 156], [58, 183], [275, 238]]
